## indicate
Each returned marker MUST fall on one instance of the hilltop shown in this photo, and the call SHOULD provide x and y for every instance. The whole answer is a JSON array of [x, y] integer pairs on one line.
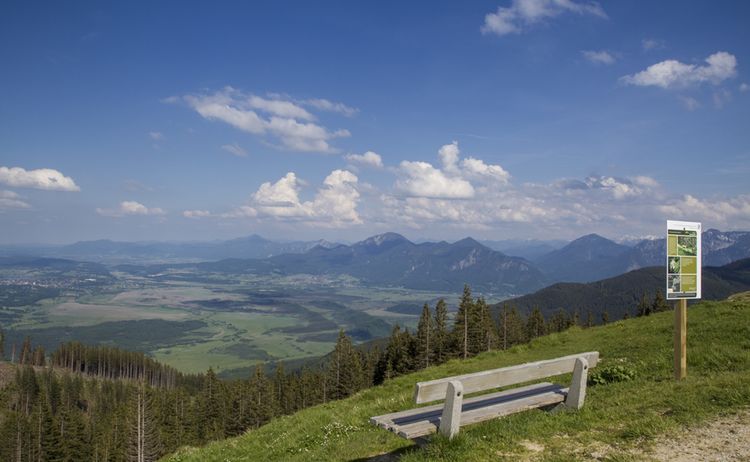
[[619, 416]]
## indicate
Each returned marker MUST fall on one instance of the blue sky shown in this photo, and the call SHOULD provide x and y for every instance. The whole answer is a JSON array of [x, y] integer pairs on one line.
[[505, 119]]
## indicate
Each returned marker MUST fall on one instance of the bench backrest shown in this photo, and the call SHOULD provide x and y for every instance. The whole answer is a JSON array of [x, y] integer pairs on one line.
[[486, 380]]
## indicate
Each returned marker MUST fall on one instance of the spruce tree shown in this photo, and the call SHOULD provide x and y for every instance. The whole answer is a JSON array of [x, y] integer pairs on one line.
[[659, 304], [344, 369], [424, 334], [511, 328], [463, 326], [644, 307], [535, 324], [440, 335], [488, 335]]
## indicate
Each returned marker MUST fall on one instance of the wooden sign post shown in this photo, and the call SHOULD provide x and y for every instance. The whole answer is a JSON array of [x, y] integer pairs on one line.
[[683, 282], [680, 339]]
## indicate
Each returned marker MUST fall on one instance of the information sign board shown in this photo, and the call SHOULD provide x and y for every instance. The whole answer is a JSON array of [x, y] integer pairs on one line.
[[683, 260]]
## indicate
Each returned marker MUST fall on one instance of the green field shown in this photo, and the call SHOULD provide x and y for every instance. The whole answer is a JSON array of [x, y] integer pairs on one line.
[[196, 321], [621, 419]]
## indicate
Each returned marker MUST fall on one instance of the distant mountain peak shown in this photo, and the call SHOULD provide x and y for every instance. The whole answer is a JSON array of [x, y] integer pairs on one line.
[[385, 238]]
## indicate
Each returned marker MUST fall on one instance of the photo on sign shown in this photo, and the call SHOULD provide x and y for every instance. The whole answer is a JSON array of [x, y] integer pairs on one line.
[[673, 283], [674, 264], [687, 245], [689, 265], [689, 283], [671, 245]]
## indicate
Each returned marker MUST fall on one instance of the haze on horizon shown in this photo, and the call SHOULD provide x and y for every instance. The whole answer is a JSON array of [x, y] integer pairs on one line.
[[515, 119]]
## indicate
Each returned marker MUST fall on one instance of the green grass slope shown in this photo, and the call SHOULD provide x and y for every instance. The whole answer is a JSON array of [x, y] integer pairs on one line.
[[618, 415]]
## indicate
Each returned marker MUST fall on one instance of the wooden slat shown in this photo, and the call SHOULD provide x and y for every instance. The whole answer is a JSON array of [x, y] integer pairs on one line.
[[496, 378], [430, 425], [396, 420]]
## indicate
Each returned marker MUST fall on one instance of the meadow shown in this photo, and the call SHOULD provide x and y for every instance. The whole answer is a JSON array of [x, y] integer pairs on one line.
[[193, 321]]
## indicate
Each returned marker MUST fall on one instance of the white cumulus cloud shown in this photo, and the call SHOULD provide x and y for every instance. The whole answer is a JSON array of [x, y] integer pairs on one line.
[[421, 179], [368, 159], [282, 119], [522, 14], [130, 208], [42, 178], [671, 73], [334, 204]]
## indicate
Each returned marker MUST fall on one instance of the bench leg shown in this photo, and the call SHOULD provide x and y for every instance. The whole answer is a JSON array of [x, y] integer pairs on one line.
[[577, 390], [450, 421]]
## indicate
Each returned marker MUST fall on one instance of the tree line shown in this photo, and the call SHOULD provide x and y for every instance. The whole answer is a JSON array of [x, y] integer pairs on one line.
[[102, 403]]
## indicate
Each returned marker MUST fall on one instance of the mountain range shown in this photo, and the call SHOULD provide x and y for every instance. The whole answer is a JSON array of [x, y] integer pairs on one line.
[[391, 259]]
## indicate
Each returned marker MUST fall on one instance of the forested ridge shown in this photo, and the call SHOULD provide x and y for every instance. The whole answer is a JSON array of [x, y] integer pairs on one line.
[[103, 403]]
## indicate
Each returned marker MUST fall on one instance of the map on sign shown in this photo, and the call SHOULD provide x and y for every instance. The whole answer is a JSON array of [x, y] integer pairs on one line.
[[683, 260]]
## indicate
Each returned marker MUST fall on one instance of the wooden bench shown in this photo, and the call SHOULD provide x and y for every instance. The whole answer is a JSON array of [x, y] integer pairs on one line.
[[457, 411]]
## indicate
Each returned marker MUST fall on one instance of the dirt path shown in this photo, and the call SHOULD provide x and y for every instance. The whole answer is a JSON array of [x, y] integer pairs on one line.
[[725, 439]]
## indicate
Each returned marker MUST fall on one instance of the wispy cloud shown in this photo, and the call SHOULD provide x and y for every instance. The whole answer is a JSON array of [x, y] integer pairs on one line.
[[130, 208], [598, 57], [196, 213], [522, 14], [235, 149], [283, 119], [156, 136], [649, 44], [331, 106], [689, 103], [43, 178], [11, 200], [671, 73]]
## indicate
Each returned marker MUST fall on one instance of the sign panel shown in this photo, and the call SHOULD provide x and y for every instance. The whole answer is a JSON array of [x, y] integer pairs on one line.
[[683, 260]]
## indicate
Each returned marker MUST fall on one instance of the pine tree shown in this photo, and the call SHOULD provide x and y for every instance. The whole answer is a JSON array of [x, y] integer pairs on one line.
[[488, 335], [535, 325], [344, 369], [144, 445], [659, 304], [463, 326], [605, 317], [560, 321], [511, 328], [212, 407], [261, 393], [589, 318], [424, 332], [644, 307], [440, 335]]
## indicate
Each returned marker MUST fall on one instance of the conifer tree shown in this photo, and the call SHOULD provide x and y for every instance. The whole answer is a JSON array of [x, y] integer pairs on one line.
[[488, 335], [344, 369], [511, 328], [262, 405], [440, 335], [644, 307], [535, 324], [605, 317], [463, 325], [424, 332], [213, 410], [589, 318], [659, 304]]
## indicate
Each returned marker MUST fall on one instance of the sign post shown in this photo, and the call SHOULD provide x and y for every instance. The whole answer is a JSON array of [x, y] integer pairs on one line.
[[683, 282]]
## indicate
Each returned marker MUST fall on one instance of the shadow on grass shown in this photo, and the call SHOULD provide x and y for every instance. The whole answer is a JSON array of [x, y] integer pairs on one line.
[[388, 456]]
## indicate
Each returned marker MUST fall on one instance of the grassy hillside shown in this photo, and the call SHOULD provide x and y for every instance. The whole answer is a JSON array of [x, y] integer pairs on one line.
[[622, 293], [618, 415]]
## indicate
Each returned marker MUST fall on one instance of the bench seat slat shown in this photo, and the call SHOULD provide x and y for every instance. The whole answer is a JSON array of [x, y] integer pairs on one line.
[[435, 389], [423, 421]]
